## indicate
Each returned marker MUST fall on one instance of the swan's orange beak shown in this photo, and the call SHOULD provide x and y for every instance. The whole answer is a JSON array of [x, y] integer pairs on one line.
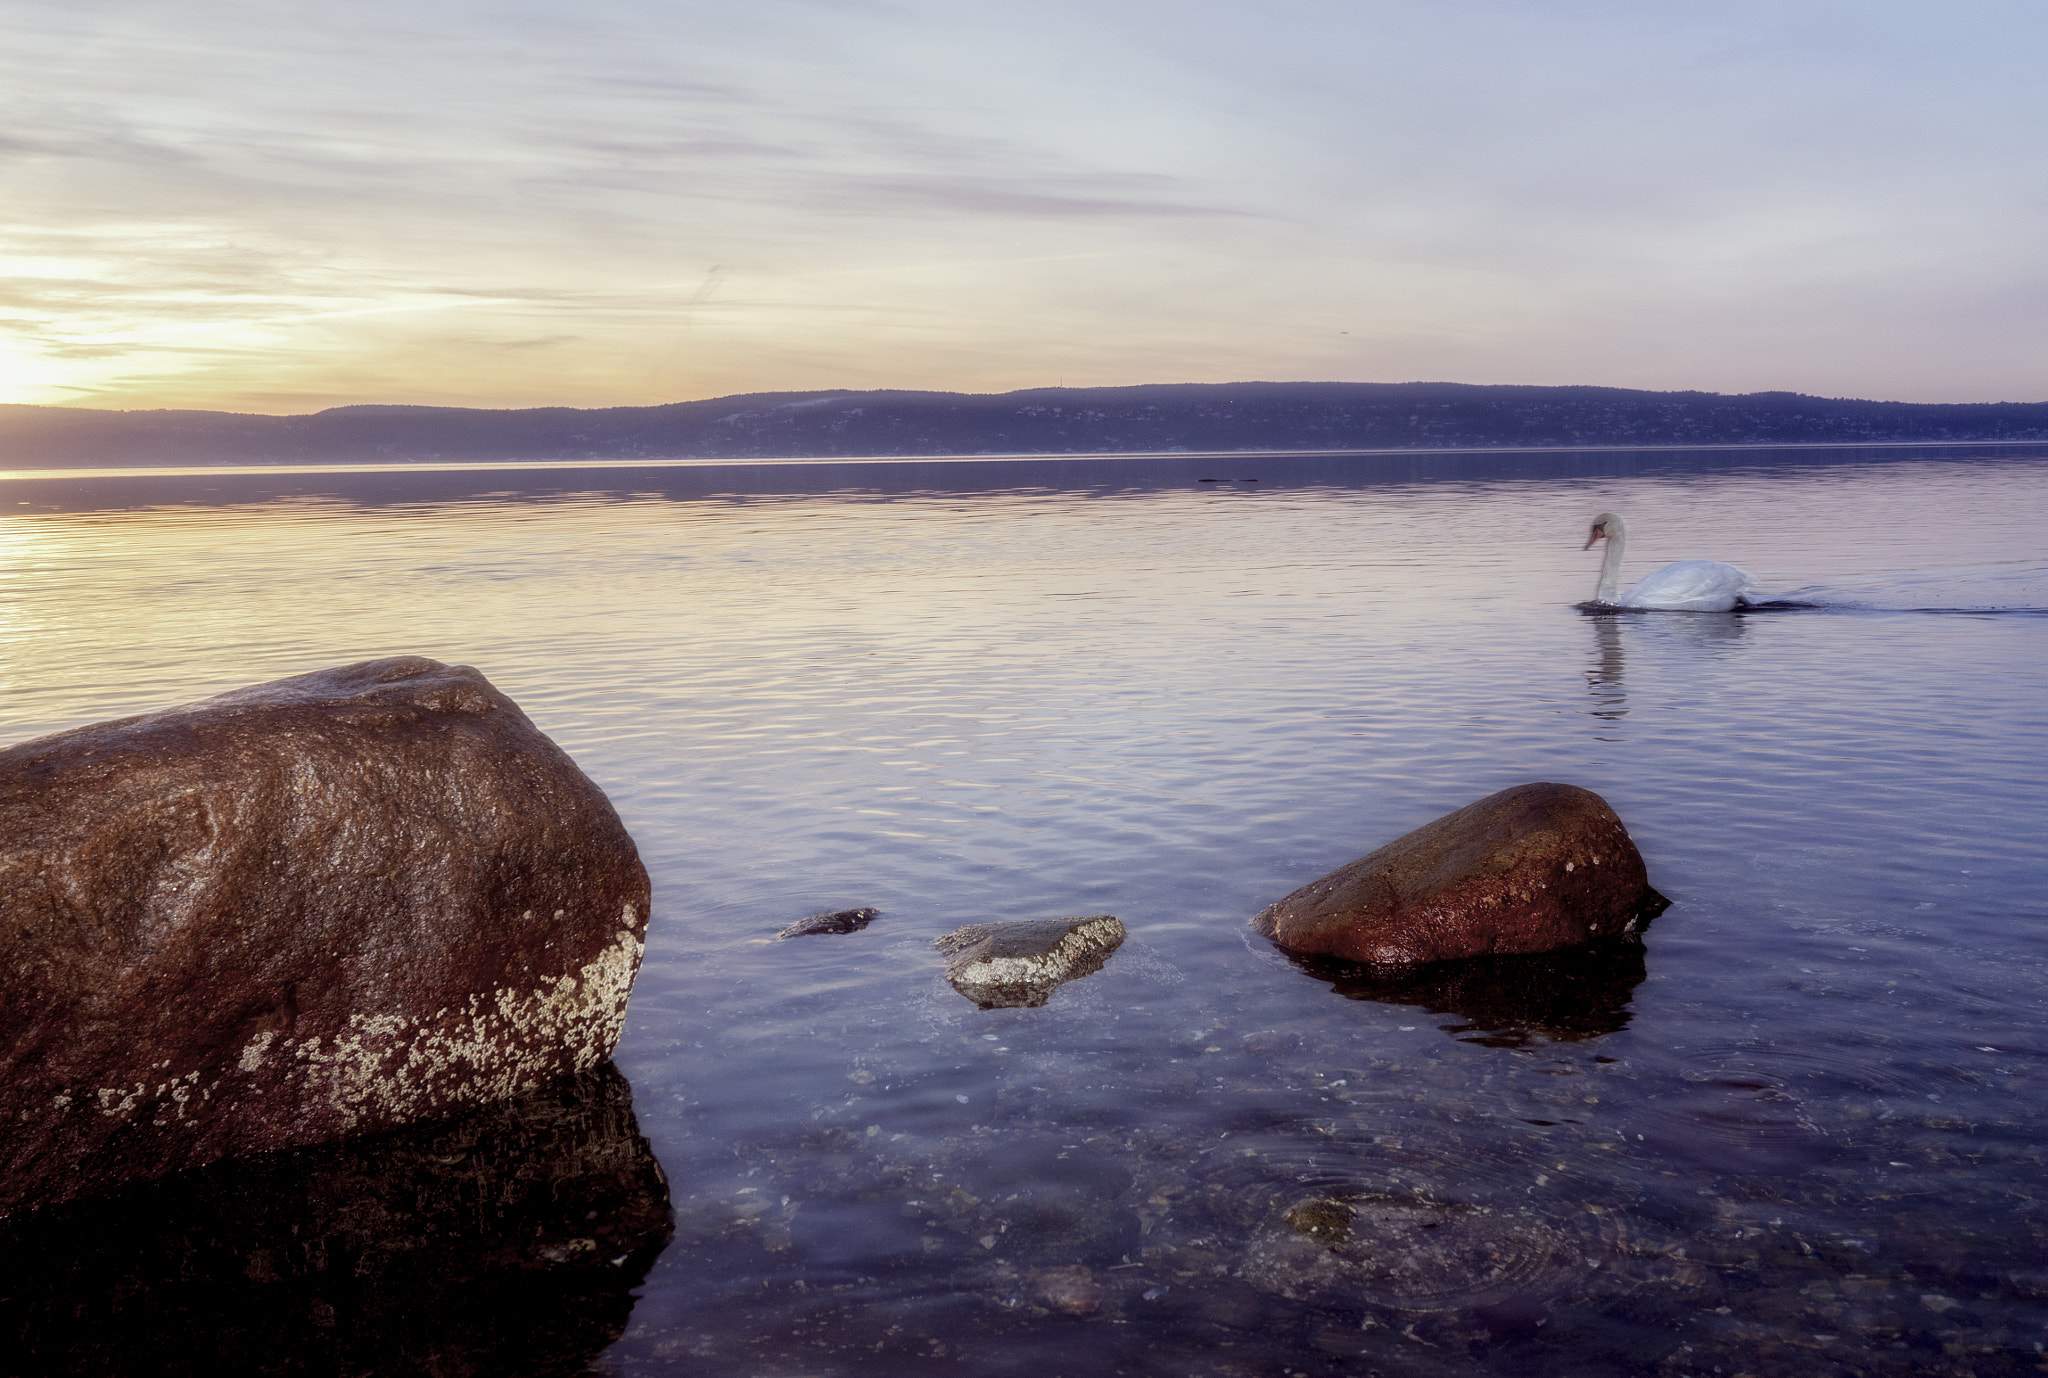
[[1599, 530]]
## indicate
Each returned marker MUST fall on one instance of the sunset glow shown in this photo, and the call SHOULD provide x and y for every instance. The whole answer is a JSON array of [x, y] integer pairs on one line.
[[269, 207]]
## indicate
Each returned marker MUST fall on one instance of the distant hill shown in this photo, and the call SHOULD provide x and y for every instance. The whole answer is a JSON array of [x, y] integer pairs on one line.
[[1171, 416]]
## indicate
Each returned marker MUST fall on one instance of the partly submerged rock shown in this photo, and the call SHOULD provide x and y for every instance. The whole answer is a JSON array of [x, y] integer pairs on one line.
[[999, 965], [1409, 1253], [324, 906], [1530, 869], [838, 921]]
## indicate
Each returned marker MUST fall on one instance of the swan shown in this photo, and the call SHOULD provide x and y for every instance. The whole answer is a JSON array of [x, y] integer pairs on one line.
[[1682, 586]]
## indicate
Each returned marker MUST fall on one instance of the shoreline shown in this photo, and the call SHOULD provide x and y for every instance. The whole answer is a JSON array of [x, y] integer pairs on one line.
[[1046, 457]]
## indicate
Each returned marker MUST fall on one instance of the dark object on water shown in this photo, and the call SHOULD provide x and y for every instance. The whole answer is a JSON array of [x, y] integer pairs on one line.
[[508, 1240], [330, 905], [838, 921], [1506, 1002], [1018, 965], [1530, 869]]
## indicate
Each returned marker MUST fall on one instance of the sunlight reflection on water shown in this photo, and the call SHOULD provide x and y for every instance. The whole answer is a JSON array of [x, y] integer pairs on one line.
[[1174, 703]]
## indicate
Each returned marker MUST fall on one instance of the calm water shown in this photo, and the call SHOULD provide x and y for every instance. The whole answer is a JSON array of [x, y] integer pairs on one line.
[[1800, 1129]]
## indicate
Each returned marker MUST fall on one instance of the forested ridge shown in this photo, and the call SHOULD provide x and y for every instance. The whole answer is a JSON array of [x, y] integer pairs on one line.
[[1152, 417]]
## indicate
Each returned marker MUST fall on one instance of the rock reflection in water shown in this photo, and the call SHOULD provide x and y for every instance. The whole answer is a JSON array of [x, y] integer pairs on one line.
[[1506, 1002], [507, 1241]]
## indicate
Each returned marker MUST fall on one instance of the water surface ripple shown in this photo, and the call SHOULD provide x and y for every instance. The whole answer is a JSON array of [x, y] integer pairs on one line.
[[1799, 1130]]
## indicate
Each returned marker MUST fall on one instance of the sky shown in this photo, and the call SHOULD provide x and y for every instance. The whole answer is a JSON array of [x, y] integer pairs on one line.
[[264, 206]]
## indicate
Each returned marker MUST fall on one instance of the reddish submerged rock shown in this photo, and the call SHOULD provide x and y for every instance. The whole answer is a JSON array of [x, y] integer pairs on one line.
[[1072, 1290], [328, 905], [1530, 869]]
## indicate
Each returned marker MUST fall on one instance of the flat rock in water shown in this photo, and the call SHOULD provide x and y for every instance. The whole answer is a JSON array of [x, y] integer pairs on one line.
[[1530, 869], [1017, 965], [838, 921], [329, 905]]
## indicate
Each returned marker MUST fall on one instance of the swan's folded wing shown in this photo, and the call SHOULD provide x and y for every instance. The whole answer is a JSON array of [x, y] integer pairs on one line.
[[1691, 586]]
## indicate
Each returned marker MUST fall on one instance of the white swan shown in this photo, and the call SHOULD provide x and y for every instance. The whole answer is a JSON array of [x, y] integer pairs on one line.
[[1682, 586]]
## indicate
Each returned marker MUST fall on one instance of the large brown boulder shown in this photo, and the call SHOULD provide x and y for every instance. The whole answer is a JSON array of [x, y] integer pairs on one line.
[[333, 904], [1531, 869]]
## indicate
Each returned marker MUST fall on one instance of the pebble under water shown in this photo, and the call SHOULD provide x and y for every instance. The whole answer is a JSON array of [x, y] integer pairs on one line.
[[1796, 1128]]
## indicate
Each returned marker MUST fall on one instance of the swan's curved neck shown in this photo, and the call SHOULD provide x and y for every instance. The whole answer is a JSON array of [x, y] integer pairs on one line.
[[1610, 563]]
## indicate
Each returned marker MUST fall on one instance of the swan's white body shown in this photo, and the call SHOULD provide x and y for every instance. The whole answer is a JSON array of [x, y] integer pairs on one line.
[[1682, 586]]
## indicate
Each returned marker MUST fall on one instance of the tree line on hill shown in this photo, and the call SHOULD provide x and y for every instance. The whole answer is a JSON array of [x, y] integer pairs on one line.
[[1148, 418]]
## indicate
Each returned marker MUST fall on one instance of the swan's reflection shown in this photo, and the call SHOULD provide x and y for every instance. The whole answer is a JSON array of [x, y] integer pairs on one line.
[[1506, 1002], [1653, 633], [1710, 633], [1610, 699], [506, 1241]]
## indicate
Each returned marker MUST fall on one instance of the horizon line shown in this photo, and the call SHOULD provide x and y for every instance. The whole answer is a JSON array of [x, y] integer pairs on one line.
[[1011, 392], [1069, 456]]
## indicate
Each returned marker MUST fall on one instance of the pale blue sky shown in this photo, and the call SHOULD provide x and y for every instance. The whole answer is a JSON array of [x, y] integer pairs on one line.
[[276, 207]]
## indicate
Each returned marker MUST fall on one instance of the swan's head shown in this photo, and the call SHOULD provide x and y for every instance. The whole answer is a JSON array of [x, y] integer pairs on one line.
[[1606, 524]]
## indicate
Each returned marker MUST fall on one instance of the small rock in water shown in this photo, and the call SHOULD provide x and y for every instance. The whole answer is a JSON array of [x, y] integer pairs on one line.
[[1530, 869], [1019, 965], [838, 921], [1072, 1290]]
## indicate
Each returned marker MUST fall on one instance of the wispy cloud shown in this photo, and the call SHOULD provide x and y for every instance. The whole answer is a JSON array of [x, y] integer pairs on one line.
[[241, 202], [986, 197]]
